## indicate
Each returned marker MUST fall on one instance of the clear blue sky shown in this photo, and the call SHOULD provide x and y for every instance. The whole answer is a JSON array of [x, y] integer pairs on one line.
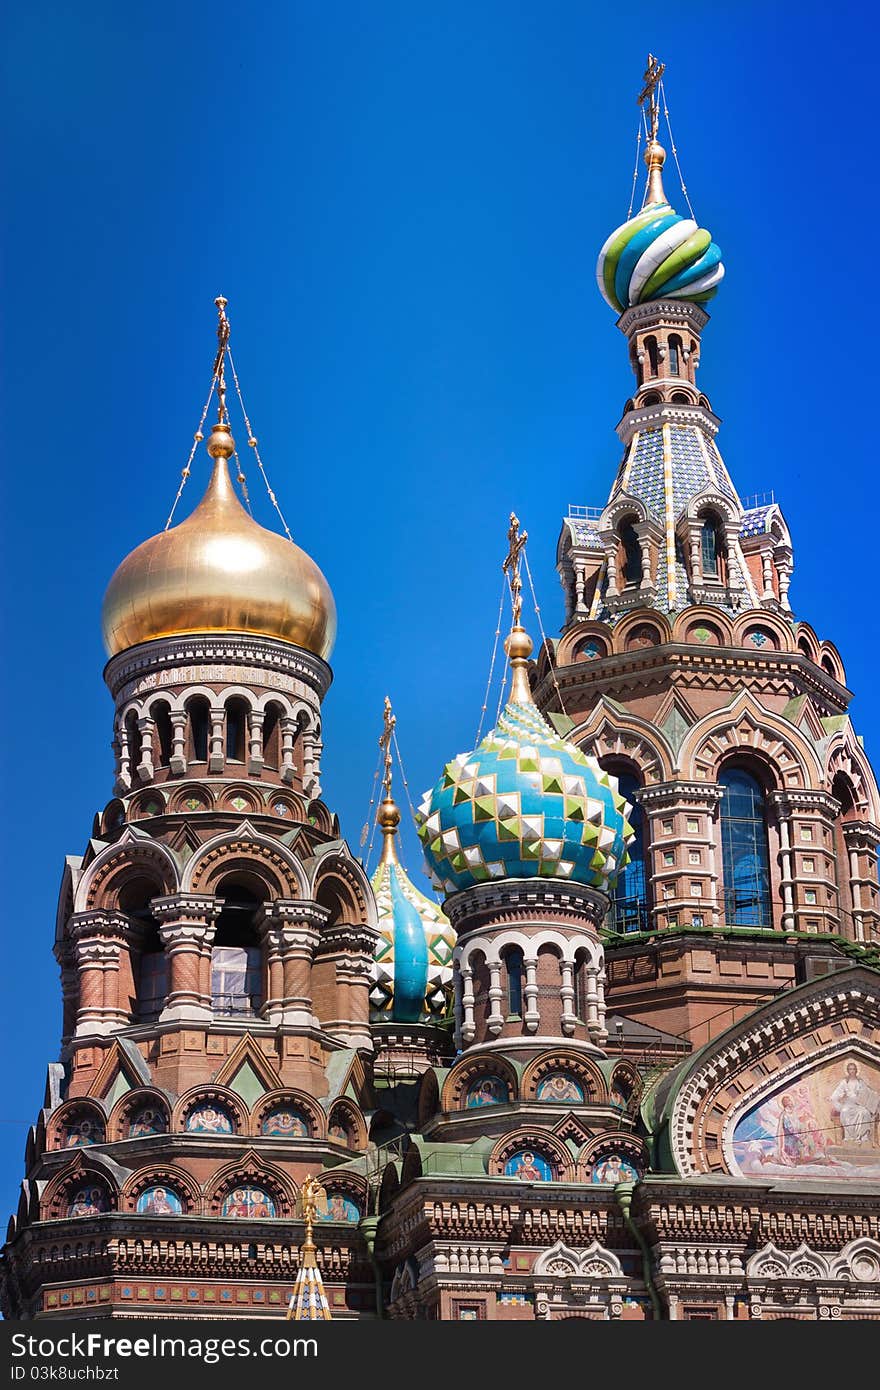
[[403, 203]]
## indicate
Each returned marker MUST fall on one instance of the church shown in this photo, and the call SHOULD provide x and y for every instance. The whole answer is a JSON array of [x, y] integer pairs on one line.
[[624, 1065]]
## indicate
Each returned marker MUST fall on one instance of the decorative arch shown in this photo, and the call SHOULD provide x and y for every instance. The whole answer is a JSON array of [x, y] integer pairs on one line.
[[246, 849], [214, 1097], [562, 1261], [777, 632], [623, 506], [345, 1190], [536, 1141], [133, 1104], [831, 662], [625, 1082], [469, 1070], [250, 1172], [844, 755], [571, 1062], [807, 642], [84, 1175], [341, 883], [611, 733], [242, 799], [585, 641], [76, 1124], [168, 1176], [345, 1115], [100, 882], [429, 1097], [640, 617], [746, 727], [190, 799], [597, 1152], [298, 1101], [688, 624]]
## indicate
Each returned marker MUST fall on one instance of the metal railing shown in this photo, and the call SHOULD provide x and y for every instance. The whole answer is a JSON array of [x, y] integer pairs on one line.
[[758, 499], [584, 513], [232, 1005], [628, 915], [747, 908]]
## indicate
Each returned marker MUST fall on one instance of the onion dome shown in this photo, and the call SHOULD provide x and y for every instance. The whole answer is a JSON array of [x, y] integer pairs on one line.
[[412, 969], [219, 571], [525, 804], [658, 254]]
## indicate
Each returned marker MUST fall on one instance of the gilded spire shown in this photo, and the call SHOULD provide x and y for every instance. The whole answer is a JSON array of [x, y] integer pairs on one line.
[[308, 1302], [655, 155], [388, 816], [518, 644]]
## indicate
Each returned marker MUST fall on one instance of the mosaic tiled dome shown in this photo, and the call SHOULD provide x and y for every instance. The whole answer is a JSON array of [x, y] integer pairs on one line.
[[525, 804], [412, 967], [658, 255]]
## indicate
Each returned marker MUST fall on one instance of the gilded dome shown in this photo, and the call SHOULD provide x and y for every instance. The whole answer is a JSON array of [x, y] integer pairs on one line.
[[219, 571]]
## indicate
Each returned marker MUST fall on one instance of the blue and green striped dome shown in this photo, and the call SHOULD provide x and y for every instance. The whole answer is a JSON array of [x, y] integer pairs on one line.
[[525, 804], [412, 967], [658, 255]]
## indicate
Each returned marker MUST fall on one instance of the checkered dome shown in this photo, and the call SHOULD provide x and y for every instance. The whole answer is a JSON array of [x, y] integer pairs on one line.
[[525, 804]]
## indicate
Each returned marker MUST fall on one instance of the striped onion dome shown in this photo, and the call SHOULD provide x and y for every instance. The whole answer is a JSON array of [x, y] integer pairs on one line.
[[412, 966], [658, 254], [525, 804]]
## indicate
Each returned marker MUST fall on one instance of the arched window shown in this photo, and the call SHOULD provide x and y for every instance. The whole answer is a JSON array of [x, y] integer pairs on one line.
[[272, 738], [745, 859], [842, 791], [152, 978], [199, 728], [135, 743], [236, 955], [629, 897], [709, 548], [675, 355], [164, 741], [580, 987], [651, 345], [630, 555], [236, 730], [513, 967]]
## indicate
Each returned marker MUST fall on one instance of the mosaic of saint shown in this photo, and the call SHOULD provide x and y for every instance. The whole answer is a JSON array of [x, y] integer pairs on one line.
[[824, 1123], [81, 1130], [249, 1203], [159, 1201], [149, 1120], [208, 1119], [529, 1166], [614, 1169], [285, 1123], [339, 1208], [88, 1201], [486, 1090], [560, 1087]]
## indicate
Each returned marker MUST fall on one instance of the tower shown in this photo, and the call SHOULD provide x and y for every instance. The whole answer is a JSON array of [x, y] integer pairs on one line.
[[215, 941]]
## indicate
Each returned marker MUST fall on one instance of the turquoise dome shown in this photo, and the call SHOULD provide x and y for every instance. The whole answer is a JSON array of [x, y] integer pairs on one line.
[[658, 255], [525, 804], [412, 966]]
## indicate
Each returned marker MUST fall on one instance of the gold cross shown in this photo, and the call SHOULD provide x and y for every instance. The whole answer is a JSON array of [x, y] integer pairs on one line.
[[220, 359], [511, 565], [653, 72], [389, 720]]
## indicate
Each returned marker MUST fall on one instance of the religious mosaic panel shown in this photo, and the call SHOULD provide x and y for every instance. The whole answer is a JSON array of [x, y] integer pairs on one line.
[[613, 1168], [486, 1090], [148, 1120], [79, 1131], [208, 1119], [88, 1201], [159, 1201], [248, 1203], [561, 1087], [529, 1166], [284, 1122], [823, 1123], [339, 1208]]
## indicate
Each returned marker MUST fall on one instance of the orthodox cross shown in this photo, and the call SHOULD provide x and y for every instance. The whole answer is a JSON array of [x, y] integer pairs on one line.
[[389, 720], [511, 565], [653, 72], [220, 359]]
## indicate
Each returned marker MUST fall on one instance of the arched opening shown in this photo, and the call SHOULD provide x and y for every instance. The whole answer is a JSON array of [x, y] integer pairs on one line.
[[514, 967], [272, 738], [581, 992], [744, 853], [828, 666], [675, 355], [711, 546], [629, 897], [236, 955], [164, 742], [843, 791], [135, 742], [629, 558], [804, 646], [653, 358], [149, 980], [681, 398], [236, 730], [198, 729]]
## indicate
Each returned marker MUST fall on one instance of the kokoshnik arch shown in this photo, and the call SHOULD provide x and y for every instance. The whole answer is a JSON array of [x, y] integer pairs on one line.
[[629, 1069]]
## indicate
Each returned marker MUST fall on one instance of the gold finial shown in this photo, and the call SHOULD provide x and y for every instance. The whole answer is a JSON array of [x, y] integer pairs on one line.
[[655, 155], [388, 816], [518, 644], [220, 359], [312, 1196]]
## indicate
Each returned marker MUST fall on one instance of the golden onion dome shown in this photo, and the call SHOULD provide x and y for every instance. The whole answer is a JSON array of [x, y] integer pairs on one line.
[[219, 571]]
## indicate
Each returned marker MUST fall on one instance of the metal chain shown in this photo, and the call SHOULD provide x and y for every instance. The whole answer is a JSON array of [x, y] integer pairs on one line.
[[547, 646], [371, 819], [253, 444], [485, 703], [197, 439], [674, 150], [632, 196]]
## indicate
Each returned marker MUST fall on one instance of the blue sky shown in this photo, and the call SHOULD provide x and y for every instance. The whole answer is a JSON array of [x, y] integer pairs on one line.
[[403, 204]]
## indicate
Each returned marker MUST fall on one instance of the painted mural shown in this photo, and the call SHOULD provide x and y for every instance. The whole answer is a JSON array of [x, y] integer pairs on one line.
[[486, 1090], [614, 1169], [560, 1087], [208, 1119], [80, 1131], [88, 1201], [159, 1201], [149, 1120], [824, 1123], [284, 1123], [529, 1166], [339, 1208], [248, 1202]]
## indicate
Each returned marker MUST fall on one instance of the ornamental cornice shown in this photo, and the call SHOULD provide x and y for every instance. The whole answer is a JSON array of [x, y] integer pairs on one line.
[[187, 660], [796, 800], [197, 908], [344, 937], [662, 311], [525, 897], [97, 954], [863, 833], [667, 794], [295, 912], [100, 922], [653, 417]]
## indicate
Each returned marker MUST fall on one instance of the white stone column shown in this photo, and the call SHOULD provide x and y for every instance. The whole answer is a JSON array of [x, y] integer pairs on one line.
[[146, 728], [255, 741], [580, 577], [289, 731], [531, 1012], [767, 571], [569, 1018], [177, 763], [789, 919], [468, 1027], [495, 1020], [216, 751], [123, 765]]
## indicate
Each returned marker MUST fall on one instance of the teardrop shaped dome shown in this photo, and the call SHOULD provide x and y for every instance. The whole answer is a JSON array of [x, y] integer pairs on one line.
[[219, 571]]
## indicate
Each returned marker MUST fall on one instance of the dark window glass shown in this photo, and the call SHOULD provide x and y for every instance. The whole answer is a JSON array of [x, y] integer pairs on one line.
[[513, 961], [709, 538], [152, 984], [673, 357], [744, 851], [236, 714], [632, 554], [198, 723], [629, 899]]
